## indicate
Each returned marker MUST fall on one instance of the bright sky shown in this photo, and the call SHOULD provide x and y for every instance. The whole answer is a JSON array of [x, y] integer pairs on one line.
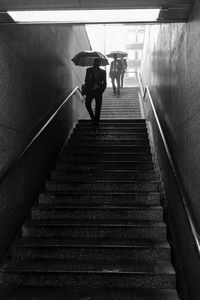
[[107, 38]]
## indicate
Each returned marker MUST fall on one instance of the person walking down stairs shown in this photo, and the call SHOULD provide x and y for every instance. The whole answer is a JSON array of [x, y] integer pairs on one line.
[[95, 81], [115, 74]]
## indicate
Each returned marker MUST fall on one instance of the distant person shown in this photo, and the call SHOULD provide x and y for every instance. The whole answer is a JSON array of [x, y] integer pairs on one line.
[[115, 73], [124, 68], [95, 81]]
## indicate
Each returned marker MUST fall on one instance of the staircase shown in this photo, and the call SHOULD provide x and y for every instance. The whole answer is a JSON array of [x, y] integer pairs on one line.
[[97, 231]]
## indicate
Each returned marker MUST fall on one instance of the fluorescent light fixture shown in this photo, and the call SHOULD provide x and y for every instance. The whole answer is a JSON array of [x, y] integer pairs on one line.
[[85, 16]]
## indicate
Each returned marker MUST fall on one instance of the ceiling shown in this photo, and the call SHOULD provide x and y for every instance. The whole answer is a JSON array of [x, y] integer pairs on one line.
[[171, 10]]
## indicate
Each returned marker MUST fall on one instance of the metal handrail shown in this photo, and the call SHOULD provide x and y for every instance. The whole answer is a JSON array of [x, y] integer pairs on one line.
[[140, 84], [174, 171], [5, 172]]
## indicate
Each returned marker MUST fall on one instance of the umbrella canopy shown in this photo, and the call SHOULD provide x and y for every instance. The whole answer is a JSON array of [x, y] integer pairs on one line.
[[120, 54], [86, 58]]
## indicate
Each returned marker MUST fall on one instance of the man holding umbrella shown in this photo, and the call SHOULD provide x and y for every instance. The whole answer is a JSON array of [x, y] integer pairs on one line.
[[95, 81], [115, 73]]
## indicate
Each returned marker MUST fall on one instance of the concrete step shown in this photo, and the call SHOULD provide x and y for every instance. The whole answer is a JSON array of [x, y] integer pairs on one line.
[[93, 156], [103, 186], [103, 175], [47, 211], [122, 110], [114, 125], [109, 136], [106, 165], [111, 103], [119, 121], [92, 274], [63, 293], [123, 117], [95, 228], [90, 249], [105, 148], [114, 198], [120, 107], [117, 142], [113, 129]]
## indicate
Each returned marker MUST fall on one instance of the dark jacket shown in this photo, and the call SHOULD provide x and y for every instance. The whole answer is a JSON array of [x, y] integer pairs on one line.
[[91, 82], [118, 67]]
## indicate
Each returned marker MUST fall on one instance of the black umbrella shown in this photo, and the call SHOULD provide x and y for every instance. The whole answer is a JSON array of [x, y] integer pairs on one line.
[[86, 58], [120, 54]]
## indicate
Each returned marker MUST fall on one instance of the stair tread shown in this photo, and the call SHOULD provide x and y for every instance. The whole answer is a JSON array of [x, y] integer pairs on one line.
[[89, 205], [90, 242], [94, 266], [68, 181], [108, 161], [127, 120], [109, 153], [96, 207], [103, 193], [63, 293], [96, 222], [114, 171]]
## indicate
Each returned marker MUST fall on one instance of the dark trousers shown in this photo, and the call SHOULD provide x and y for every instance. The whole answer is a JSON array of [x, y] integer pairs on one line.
[[97, 96], [122, 79], [115, 76]]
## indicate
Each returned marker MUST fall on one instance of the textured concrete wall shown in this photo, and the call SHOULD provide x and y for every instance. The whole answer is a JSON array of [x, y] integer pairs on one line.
[[36, 76], [171, 68], [88, 4]]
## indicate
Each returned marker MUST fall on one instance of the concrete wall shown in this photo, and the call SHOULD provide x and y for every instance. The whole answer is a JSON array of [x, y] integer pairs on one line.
[[171, 68], [36, 76]]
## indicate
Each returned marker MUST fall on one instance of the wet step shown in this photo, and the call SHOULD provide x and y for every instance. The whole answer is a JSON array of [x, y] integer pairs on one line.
[[106, 165], [106, 148], [95, 228], [105, 156], [109, 136], [111, 249], [116, 186], [109, 126], [113, 129], [99, 212], [122, 110], [94, 175], [107, 142], [122, 116], [119, 121], [92, 274], [63, 293], [114, 198]]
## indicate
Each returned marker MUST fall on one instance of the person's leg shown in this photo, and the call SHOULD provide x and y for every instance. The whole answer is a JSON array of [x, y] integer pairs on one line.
[[118, 83], [88, 104], [122, 79], [113, 84], [98, 104]]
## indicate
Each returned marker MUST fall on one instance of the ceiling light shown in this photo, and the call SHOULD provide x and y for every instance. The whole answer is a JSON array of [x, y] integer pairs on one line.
[[86, 16]]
